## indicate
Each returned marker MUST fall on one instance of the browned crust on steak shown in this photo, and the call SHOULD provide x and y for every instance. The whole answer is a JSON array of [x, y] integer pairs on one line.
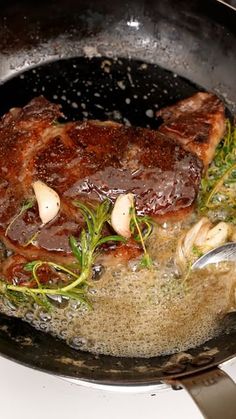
[[197, 123]]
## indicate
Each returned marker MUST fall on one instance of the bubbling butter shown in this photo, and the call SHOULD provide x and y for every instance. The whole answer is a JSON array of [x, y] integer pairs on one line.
[[139, 312]]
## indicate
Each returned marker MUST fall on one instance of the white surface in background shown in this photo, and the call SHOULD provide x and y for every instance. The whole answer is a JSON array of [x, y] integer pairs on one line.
[[30, 394]]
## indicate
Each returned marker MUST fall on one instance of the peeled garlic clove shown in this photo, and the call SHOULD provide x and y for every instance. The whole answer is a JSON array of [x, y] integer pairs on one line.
[[202, 234], [48, 201], [193, 237], [195, 234], [120, 216], [216, 236]]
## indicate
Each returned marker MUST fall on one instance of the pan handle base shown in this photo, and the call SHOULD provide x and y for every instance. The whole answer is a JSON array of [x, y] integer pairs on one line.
[[213, 391]]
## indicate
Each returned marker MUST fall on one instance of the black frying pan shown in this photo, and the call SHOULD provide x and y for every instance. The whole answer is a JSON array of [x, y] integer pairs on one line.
[[155, 53]]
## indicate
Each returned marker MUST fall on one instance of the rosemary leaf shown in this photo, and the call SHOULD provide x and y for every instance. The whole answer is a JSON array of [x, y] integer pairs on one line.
[[30, 265], [75, 249], [136, 224], [146, 261], [112, 239]]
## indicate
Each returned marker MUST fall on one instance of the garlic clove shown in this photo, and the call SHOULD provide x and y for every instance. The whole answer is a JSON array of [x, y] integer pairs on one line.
[[202, 234], [194, 235], [216, 236], [48, 201], [186, 242], [120, 216]]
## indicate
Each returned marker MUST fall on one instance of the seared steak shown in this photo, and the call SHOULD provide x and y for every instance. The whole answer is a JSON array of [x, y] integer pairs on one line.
[[197, 123], [95, 160]]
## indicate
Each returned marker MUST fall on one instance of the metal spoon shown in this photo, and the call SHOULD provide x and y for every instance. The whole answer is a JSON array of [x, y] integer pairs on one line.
[[226, 252]]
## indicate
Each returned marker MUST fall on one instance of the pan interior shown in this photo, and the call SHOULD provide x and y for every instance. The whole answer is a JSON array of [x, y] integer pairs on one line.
[[126, 91], [123, 90]]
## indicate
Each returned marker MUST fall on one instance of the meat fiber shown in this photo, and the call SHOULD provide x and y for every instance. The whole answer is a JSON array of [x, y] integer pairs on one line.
[[95, 160]]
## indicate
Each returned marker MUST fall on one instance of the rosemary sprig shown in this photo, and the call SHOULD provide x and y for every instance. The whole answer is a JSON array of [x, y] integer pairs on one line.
[[27, 204], [85, 251], [218, 187], [141, 228]]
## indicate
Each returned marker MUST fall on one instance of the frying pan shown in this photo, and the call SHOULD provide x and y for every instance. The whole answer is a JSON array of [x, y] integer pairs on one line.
[[122, 61]]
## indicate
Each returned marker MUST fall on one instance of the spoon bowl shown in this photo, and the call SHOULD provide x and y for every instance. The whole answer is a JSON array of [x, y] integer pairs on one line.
[[226, 252]]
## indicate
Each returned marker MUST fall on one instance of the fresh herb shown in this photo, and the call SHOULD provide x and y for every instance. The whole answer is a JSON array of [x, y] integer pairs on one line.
[[27, 204], [85, 251], [196, 251], [141, 228], [218, 187]]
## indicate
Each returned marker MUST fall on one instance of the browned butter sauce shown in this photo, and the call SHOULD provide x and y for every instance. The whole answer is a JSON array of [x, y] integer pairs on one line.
[[139, 312]]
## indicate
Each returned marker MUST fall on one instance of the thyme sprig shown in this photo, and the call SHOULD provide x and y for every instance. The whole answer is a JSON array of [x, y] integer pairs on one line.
[[218, 187], [85, 251], [141, 228]]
